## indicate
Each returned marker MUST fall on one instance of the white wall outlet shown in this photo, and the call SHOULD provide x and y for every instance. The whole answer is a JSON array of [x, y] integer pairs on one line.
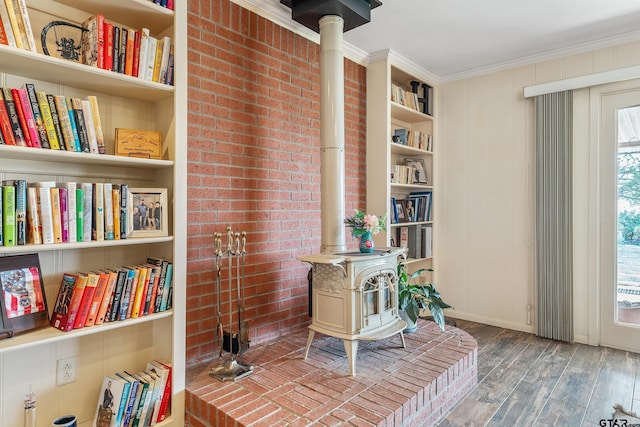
[[66, 371]]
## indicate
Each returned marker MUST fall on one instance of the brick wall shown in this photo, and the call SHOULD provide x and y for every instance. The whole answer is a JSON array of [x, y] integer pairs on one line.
[[253, 164]]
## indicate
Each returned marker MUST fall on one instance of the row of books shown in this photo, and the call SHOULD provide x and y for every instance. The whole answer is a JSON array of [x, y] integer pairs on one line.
[[404, 97], [47, 212], [110, 295], [413, 138], [418, 240], [31, 118], [138, 399], [127, 51], [164, 3], [15, 26], [414, 208]]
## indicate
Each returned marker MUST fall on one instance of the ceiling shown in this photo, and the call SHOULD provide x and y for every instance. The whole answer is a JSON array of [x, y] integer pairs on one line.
[[455, 38]]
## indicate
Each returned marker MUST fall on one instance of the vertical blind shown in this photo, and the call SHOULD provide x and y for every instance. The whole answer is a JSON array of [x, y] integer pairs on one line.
[[554, 275]]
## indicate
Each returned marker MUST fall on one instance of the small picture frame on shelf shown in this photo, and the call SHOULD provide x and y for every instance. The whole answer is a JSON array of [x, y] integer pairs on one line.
[[23, 304], [420, 171], [148, 212], [144, 144]]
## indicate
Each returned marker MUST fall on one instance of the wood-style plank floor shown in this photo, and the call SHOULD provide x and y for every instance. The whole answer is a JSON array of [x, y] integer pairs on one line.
[[524, 380]]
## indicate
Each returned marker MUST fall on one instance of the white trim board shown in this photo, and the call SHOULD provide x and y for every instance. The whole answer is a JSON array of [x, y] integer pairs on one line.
[[590, 80]]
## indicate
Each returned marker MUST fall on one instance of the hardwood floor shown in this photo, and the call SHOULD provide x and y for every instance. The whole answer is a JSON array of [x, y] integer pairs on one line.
[[524, 380]]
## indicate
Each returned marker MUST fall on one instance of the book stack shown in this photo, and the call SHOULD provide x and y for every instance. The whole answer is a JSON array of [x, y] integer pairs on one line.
[[141, 398], [133, 52], [92, 298], [31, 118], [404, 97], [15, 26], [164, 3], [412, 138], [47, 212]]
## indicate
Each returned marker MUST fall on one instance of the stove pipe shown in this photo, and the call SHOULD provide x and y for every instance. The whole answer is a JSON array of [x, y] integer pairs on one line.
[[332, 177]]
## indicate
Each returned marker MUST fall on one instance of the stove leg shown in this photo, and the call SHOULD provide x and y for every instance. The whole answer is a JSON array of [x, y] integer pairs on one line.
[[351, 348], [309, 339], [402, 338]]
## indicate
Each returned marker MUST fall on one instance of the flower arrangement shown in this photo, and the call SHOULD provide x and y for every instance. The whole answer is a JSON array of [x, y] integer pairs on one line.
[[360, 223]]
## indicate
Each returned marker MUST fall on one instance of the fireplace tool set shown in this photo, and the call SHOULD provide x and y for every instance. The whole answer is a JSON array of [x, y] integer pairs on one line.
[[232, 342]]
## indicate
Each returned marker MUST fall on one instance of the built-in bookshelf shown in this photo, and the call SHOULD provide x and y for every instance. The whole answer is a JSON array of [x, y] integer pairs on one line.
[[400, 156], [30, 358]]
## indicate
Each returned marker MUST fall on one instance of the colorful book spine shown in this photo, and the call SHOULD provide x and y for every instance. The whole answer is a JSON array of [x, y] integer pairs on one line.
[[47, 121], [79, 215], [164, 59], [98, 211], [56, 121], [26, 22], [80, 122], [12, 112], [124, 211], [108, 46], [124, 39], [65, 122], [97, 123], [74, 127], [9, 215], [87, 189], [34, 227], [108, 297], [5, 121], [76, 300], [64, 214], [143, 283], [115, 50], [130, 51], [143, 53], [72, 217], [22, 118], [133, 290], [4, 17], [87, 298], [56, 214], [16, 24], [108, 211], [37, 114], [115, 197], [61, 309], [114, 310], [45, 208], [29, 117], [91, 130], [21, 211]]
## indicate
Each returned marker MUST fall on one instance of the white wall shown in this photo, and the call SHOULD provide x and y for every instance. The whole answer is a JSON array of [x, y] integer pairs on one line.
[[485, 211]]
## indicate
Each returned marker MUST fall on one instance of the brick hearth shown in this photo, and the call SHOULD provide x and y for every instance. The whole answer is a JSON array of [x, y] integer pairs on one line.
[[393, 386]]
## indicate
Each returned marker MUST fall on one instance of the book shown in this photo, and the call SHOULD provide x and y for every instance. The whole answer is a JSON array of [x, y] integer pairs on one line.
[[9, 215], [96, 302], [34, 228], [20, 210], [62, 308], [76, 299], [163, 412], [45, 209], [56, 216], [65, 122], [170, 68], [22, 118], [74, 125], [124, 40], [6, 23], [72, 206], [64, 214], [97, 225], [15, 17], [79, 214], [140, 294], [108, 297], [124, 212], [152, 395], [139, 407], [167, 289], [87, 220], [126, 293], [108, 46], [3, 34], [26, 23], [81, 124], [152, 290], [114, 390], [130, 51], [142, 54], [115, 197], [163, 372], [107, 192], [93, 41], [37, 114], [56, 121], [152, 54], [5, 122], [133, 395], [97, 123], [87, 297], [115, 51], [47, 121], [14, 119], [91, 130], [164, 59], [114, 310], [132, 291]]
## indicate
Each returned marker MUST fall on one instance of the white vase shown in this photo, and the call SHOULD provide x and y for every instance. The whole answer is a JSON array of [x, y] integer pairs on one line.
[[411, 325]]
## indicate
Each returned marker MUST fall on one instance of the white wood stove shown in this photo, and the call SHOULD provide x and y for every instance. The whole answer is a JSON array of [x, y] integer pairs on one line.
[[354, 297]]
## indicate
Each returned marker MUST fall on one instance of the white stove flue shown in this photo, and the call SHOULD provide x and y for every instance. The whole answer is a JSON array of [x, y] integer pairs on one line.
[[353, 295]]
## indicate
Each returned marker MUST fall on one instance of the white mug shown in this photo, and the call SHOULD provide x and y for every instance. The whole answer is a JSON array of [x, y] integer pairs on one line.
[[65, 421]]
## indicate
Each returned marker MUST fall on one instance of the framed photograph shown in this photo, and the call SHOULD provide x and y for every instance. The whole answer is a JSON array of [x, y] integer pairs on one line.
[[420, 170], [23, 304], [402, 214], [147, 212]]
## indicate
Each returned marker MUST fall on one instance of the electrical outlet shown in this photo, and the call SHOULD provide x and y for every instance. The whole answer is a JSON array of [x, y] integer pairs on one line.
[[66, 371]]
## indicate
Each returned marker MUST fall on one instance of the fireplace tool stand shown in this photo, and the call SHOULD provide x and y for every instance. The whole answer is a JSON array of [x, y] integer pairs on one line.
[[232, 342]]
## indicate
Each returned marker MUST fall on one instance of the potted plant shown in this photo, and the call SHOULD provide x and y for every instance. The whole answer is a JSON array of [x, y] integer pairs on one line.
[[416, 293]]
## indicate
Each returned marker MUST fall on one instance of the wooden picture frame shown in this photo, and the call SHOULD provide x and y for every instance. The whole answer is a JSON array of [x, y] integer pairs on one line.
[[24, 303], [149, 223], [138, 143], [420, 176]]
